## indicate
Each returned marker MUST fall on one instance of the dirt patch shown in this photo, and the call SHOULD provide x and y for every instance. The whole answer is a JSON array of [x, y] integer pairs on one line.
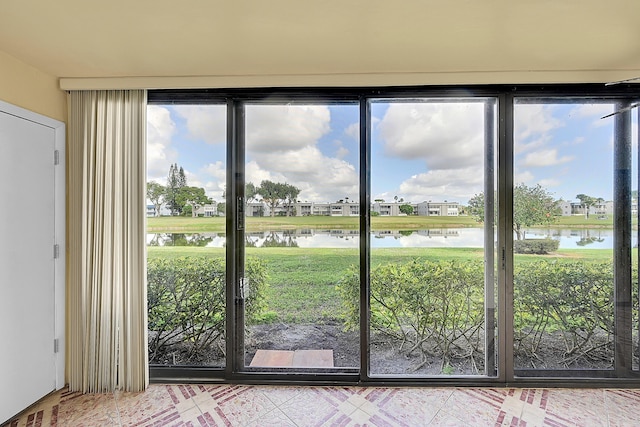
[[389, 356]]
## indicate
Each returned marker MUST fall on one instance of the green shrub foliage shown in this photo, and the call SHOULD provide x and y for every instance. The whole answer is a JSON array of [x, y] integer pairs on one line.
[[186, 304], [535, 246], [437, 308], [574, 299]]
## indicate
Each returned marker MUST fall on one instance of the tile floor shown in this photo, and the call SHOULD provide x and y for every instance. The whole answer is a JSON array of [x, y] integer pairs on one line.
[[235, 405]]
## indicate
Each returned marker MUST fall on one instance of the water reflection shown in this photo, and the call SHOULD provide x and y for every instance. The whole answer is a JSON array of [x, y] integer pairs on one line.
[[340, 238], [186, 239]]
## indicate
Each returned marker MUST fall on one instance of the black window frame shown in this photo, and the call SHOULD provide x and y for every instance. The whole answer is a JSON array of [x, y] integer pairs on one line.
[[624, 95]]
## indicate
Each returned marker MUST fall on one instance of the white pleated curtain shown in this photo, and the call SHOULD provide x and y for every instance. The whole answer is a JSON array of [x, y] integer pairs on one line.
[[107, 307]]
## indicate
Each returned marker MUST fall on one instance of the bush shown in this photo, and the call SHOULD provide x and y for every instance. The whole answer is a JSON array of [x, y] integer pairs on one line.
[[437, 307], [574, 298], [186, 303], [434, 307], [535, 246]]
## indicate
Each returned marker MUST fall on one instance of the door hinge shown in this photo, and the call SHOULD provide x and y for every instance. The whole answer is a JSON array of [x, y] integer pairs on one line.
[[56, 251], [56, 157], [56, 345]]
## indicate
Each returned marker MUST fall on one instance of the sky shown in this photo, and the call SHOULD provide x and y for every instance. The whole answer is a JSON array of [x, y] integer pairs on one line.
[[420, 151]]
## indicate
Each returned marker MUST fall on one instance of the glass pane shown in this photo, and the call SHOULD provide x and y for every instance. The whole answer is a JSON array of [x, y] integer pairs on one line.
[[186, 177], [302, 234], [563, 236], [432, 246]]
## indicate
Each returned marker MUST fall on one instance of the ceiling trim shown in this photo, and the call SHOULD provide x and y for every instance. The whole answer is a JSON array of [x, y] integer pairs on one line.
[[345, 80]]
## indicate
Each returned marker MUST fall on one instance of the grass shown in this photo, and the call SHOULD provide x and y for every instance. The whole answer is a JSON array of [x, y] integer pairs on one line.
[[217, 224], [302, 281]]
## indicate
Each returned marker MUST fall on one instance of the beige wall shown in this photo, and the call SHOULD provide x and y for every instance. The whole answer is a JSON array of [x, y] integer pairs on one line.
[[30, 88]]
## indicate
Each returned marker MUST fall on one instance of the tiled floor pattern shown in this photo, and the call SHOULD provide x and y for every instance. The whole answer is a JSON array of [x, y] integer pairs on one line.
[[234, 405]]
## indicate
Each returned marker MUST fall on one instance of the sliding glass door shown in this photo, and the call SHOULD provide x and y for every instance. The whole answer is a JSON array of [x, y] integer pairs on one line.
[[432, 282], [301, 236], [418, 235], [186, 286]]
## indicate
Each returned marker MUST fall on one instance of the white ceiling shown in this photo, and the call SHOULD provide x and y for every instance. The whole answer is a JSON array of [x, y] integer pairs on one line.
[[595, 40]]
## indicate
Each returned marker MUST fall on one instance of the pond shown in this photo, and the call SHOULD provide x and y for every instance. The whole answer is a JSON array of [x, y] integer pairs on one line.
[[428, 238]]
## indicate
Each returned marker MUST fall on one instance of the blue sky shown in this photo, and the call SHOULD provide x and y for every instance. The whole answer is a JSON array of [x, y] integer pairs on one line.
[[420, 150]]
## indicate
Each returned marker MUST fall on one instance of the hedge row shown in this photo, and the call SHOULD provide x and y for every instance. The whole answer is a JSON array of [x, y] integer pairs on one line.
[[535, 246], [186, 304], [433, 307], [437, 307]]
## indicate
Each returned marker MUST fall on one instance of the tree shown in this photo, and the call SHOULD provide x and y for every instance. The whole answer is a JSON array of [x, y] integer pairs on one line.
[[272, 193], [250, 191], [175, 181], [531, 206], [156, 194], [222, 208], [476, 207], [194, 197], [587, 202], [290, 195], [406, 209]]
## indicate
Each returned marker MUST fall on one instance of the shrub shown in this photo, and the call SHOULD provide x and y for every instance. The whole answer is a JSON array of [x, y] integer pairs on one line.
[[535, 246], [433, 307], [437, 307], [186, 303], [574, 298]]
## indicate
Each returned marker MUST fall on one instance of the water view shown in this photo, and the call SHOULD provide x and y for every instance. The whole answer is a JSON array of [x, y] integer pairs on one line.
[[428, 238]]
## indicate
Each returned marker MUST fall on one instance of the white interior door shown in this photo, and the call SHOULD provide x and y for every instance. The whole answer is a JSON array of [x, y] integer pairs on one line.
[[27, 262]]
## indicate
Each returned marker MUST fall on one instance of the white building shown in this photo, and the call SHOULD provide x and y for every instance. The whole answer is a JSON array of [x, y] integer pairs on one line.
[[438, 209]]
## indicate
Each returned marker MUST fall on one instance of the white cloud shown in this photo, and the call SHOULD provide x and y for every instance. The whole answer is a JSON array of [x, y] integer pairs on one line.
[[532, 144], [525, 177], [353, 130], [255, 174], [595, 112], [547, 157], [534, 121], [320, 178], [216, 170], [444, 135], [342, 152], [204, 122], [272, 128], [282, 147], [549, 182], [216, 174], [591, 110], [160, 154], [438, 185]]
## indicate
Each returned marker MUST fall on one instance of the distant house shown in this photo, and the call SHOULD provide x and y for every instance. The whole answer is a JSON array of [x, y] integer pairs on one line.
[[353, 209], [565, 207], [386, 209], [438, 209], [576, 208], [208, 210]]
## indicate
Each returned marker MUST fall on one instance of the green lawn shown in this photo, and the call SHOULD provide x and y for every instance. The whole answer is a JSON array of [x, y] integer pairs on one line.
[[302, 282], [217, 224]]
